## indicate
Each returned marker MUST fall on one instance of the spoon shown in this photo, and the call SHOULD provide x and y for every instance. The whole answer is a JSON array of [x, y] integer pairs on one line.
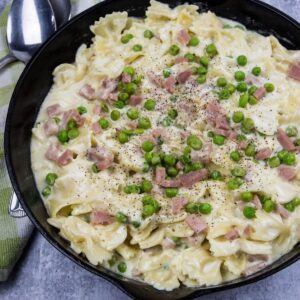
[[30, 23], [62, 11]]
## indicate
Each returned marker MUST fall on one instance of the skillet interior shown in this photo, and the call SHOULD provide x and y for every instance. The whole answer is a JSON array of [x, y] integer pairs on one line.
[[36, 81]]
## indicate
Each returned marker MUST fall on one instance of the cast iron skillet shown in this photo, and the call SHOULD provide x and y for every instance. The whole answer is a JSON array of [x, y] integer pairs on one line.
[[36, 81]]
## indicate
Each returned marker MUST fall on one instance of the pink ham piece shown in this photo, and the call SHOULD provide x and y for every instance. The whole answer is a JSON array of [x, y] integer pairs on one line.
[[284, 140], [184, 76], [101, 217], [180, 59], [72, 114], [196, 223], [65, 158], [53, 152], [253, 269], [107, 88], [155, 79], [256, 202], [50, 127], [168, 243], [135, 100], [282, 211], [126, 78], [183, 37], [87, 92], [178, 204], [213, 110], [251, 79], [196, 239], [96, 128], [264, 153], [169, 84], [97, 109], [258, 257], [102, 157], [179, 166], [232, 234], [287, 173], [247, 231], [204, 155], [260, 93], [132, 124], [242, 145], [294, 71], [54, 110]]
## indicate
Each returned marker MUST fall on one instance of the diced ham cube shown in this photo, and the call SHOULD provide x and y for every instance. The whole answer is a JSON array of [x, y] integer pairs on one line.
[[102, 157], [101, 217], [247, 231], [253, 269], [126, 78], [135, 100], [184, 76], [178, 204], [264, 153], [65, 158], [180, 59], [53, 152], [155, 79], [196, 239], [260, 93], [287, 173], [108, 87], [96, 128], [50, 127], [196, 223], [294, 71], [256, 202], [87, 92], [232, 234], [284, 140], [187, 180], [169, 84], [168, 243], [282, 211], [258, 257], [54, 110], [183, 37], [72, 114]]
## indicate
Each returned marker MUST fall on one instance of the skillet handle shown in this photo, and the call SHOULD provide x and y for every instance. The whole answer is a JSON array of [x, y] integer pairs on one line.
[[6, 60], [15, 209]]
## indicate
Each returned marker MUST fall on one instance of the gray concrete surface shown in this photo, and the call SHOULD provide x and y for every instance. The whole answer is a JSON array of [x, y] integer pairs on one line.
[[44, 273]]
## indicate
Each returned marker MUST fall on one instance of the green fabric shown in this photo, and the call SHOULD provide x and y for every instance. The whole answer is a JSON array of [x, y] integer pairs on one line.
[[14, 233]]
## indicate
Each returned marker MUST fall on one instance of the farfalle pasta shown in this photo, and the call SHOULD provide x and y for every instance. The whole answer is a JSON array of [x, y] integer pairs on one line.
[[168, 151]]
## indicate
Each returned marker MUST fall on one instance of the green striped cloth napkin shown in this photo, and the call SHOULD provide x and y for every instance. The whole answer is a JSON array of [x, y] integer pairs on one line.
[[14, 232]]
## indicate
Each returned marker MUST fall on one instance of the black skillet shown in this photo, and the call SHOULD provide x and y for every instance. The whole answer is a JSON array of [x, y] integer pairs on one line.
[[36, 81]]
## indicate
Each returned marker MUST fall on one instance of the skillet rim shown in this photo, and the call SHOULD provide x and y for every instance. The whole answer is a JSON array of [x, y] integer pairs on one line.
[[120, 283]]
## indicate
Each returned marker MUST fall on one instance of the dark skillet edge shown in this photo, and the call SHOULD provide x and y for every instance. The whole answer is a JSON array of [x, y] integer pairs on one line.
[[122, 285]]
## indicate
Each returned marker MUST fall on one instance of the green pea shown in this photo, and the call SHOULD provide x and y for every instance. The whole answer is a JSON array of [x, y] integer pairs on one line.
[[170, 160], [205, 208], [95, 168], [172, 171], [221, 82], [296, 201], [218, 140], [120, 217], [156, 160], [194, 142], [119, 104], [137, 48], [196, 166], [132, 113], [147, 146], [56, 120], [291, 131], [243, 100], [113, 260], [192, 208], [71, 124], [231, 88], [130, 88], [122, 267], [204, 60], [73, 133], [241, 137], [172, 113], [103, 123], [234, 183], [136, 224], [215, 175], [189, 56], [51, 178], [246, 196], [104, 107], [256, 71], [147, 186], [242, 87], [171, 192], [148, 157], [238, 172], [146, 167], [174, 50], [201, 79], [268, 206], [289, 206], [250, 150], [82, 110], [123, 137], [149, 200], [238, 117], [132, 189], [129, 70], [148, 34], [235, 156], [281, 154], [123, 97], [252, 100], [194, 70], [150, 104], [269, 87], [274, 162], [242, 60], [166, 73], [193, 42], [211, 50], [148, 210], [115, 115], [144, 123], [239, 76], [289, 159], [126, 38], [202, 70], [46, 191], [248, 124], [252, 90], [297, 142], [249, 212], [63, 136], [224, 94], [138, 79]]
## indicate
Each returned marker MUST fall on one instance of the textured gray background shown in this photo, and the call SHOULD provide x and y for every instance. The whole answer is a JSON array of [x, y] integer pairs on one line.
[[44, 273]]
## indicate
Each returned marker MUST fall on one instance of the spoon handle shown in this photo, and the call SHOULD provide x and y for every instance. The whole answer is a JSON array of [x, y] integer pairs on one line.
[[6, 60], [15, 209]]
